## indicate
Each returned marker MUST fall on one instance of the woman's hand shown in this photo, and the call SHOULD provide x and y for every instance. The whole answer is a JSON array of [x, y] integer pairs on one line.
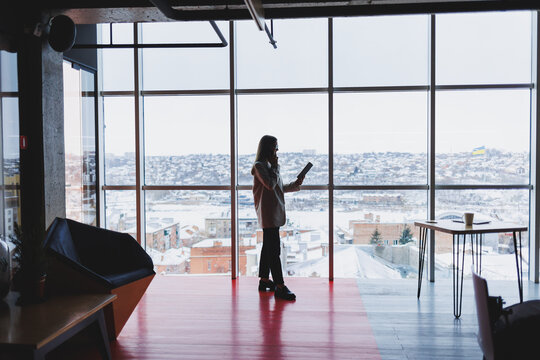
[[273, 161], [299, 181]]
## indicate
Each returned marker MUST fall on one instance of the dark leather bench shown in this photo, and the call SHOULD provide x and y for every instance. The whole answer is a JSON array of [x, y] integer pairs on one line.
[[87, 259]]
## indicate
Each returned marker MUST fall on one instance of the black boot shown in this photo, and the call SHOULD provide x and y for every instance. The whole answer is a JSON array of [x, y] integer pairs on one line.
[[266, 285], [284, 293]]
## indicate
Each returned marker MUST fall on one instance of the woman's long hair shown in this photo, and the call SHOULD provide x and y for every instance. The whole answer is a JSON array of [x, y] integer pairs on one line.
[[265, 150]]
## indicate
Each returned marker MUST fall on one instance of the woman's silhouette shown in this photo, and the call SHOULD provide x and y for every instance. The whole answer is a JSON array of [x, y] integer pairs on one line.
[[268, 190]]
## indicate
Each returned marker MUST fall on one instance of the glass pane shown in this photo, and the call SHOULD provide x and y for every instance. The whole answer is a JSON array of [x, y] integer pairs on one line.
[[72, 141], [300, 60], [304, 237], [498, 258], [103, 33], [380, 138], [249, 234], [374, 232], [10, 163], [482, 137], [88, 142], [189, 232], [187, 68], [300, 123], [183, 136], [483, 48], [121, 211], [381, 50], [10, 129], [122, 33], [79, 140], [119, 134], [117, 69], [8, 72]]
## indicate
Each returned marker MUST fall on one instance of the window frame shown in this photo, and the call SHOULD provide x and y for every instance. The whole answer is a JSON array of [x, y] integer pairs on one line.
[[430, 187]]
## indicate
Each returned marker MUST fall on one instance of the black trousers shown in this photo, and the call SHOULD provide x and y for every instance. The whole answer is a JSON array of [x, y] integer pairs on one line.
[[270, 256]]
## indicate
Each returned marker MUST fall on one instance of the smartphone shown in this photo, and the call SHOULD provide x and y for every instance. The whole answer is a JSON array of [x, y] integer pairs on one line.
[[305, 170]]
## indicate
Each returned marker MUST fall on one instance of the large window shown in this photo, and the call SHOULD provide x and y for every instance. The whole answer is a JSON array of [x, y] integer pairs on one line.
[[179, 121], [380, 127], [299, 120], [180, 139]]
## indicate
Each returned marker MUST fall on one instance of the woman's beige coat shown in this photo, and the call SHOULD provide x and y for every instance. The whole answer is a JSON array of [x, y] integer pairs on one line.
[[268, 190]]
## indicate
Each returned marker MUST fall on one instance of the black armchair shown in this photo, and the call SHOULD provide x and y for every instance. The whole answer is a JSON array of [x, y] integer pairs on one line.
[[84, 258]]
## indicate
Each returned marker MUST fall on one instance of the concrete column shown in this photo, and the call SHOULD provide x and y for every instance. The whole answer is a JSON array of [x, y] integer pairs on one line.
[[41, 121]]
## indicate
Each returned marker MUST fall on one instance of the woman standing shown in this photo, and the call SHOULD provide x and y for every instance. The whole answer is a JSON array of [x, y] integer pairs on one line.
[[268, 191]]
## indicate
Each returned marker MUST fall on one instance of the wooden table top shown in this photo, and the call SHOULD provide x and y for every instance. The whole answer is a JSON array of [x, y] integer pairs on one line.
[[455, 228], [37, 324]]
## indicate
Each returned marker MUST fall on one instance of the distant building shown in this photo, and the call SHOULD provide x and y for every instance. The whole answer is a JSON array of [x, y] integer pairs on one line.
[[213, 256], [172, 261], [161, 235], [12, 210], [9, 221], [385, 199], [220, 227], [164, 246], [363, 229], [297, 247]]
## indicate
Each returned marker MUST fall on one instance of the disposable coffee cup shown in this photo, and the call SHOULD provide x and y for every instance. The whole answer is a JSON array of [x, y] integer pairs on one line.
[[468, 218]]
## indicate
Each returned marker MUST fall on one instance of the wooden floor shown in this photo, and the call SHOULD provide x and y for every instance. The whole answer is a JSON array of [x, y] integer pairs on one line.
[[216, 318], [409, 328]]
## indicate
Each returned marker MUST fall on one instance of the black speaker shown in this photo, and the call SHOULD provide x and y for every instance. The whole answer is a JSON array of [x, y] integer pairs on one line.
[[62, 33]]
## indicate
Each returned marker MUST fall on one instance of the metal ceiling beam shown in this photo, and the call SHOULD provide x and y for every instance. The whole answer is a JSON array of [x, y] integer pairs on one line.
[[235, 4], [86, 12]]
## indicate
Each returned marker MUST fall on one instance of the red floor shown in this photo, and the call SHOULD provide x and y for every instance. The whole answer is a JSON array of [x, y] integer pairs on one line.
[[216, 318]]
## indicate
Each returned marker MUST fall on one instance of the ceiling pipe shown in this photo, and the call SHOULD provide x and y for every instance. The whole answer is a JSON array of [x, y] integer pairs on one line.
[[256, 11], [168, 11], [271, 34]]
